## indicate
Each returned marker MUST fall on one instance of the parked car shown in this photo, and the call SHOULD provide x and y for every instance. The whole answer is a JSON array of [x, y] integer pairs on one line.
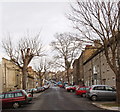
[[46, 86], [70, 88], [96, 92], [29, 95], [65, 85], [14, 98], [60, 85], [82, 91], [40, 89], [34, 90]]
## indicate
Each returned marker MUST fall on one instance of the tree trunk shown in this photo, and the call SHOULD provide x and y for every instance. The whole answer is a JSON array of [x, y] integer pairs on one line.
[[118, 88], [68, 76], [24, 78], [41, 82]]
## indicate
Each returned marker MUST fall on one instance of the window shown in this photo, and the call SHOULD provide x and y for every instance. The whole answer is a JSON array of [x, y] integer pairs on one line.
[[81, 89], [18, 94], [9, 95], [87, 88], [1, 96], [109, 88], [99, 88], [113, 78]]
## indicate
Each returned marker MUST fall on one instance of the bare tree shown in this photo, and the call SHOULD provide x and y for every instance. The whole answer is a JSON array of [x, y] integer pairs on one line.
[[42, 67], [67, 49], [99, 20], [24, 51], [39, 70]]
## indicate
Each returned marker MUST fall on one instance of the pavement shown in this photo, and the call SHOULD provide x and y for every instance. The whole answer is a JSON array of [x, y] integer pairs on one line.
[[100, 105]]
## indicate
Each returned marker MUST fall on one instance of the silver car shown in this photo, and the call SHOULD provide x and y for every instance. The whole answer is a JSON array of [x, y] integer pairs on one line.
[[96, 92]]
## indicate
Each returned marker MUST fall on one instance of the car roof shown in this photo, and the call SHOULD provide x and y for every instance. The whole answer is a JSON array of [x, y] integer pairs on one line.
[[98, 85], [14, 91], [84, 86]]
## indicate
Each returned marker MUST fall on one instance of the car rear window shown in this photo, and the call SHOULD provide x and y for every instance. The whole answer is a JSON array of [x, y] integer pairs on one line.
[[1, 96], [18, 94], [84, 88], [81, 88], [24, 92], [9, 95]]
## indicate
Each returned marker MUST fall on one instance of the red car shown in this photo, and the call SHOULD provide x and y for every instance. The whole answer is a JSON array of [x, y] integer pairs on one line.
[[82, 91], [14, 98], [60, 85], [70, 88]]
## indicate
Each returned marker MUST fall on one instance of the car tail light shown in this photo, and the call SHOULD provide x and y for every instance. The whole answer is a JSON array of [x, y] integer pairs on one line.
[[29, 95]]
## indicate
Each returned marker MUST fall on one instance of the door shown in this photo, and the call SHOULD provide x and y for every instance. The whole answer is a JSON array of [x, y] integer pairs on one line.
[[111, 93], [100, 91], [7, 101]]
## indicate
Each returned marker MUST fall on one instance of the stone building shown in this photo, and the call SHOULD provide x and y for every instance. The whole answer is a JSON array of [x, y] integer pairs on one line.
[[31, 81], [78, 71], [97, 70], [11, 75], [1, 81]]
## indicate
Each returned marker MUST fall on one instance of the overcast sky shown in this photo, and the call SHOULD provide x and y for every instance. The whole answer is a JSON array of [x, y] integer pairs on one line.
[[17, 18]]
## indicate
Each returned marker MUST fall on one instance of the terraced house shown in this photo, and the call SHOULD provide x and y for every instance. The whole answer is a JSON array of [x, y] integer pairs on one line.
[[97, 70], [93, 67]]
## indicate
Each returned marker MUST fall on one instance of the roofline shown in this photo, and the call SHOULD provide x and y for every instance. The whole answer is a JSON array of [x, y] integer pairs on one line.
[[99, 50]]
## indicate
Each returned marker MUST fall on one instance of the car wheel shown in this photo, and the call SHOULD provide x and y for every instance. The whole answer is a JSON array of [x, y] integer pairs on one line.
[[94, 98], [71, 90], [16, 105], [68, 90], [83, 95]]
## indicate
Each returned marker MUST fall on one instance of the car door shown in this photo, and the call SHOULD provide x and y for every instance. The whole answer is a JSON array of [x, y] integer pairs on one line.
[[100, 91], [8, 99], [111, 93], [2, 99]]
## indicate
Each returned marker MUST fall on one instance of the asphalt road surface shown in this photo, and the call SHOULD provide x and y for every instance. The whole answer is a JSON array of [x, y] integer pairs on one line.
[[56, 98]]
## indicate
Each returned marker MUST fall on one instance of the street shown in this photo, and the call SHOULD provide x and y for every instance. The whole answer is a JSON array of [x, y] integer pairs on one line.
[[56, 98]]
